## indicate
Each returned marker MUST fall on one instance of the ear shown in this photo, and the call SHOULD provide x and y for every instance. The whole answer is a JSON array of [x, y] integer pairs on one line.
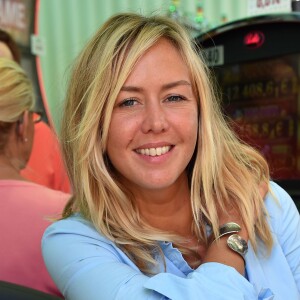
[[23, 127]]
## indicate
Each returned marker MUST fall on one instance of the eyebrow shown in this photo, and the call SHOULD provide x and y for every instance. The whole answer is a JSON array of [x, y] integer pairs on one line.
[[129, 88]]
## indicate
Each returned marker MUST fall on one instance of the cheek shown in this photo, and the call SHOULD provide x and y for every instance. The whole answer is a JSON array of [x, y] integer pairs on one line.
[[114, 142], [120, 134], [190, 125]]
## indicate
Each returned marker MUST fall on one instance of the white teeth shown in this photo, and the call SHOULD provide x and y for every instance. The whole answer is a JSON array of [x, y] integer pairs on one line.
[[154, 151]]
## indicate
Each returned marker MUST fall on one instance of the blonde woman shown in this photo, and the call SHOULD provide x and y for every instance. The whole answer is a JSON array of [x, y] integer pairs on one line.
[[167, 201], [24, 206]]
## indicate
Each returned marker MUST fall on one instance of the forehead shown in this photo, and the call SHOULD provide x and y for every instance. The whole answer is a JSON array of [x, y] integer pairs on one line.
[[162, 61], [5, 51]]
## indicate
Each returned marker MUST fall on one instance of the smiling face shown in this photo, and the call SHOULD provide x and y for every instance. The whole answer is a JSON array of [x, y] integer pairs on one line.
[[153, 129]]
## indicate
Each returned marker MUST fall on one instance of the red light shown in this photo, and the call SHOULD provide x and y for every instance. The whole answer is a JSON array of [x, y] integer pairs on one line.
[[254, 39]]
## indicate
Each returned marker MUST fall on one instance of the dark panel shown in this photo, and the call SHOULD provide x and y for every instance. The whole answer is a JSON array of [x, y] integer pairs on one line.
[[257, 63]]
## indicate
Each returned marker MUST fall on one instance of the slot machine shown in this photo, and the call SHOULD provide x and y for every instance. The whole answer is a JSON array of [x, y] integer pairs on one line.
[[256, 64]]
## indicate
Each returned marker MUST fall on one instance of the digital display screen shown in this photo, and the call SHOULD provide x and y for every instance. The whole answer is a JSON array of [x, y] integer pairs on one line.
[[262, 98]]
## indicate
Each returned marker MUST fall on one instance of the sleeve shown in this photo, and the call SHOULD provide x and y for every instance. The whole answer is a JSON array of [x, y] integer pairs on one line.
[[85, 267], [287, 230]]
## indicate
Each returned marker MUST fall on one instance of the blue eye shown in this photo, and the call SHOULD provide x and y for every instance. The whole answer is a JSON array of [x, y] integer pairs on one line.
[[128, 102], [175, 98]]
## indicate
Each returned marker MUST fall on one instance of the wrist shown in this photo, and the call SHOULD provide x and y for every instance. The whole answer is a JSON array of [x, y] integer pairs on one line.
[[220, 252], [227, 229], [231, 232]]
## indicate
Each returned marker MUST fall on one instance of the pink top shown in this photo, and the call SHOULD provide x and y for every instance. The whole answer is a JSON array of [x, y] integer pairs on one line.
[[24, 208]]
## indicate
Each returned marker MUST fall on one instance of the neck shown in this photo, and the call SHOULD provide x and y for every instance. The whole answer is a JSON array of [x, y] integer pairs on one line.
[[168, 210], [9, 168]]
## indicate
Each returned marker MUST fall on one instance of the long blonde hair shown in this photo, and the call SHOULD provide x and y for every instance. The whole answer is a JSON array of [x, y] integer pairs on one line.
[[223, 172], [16, 95]]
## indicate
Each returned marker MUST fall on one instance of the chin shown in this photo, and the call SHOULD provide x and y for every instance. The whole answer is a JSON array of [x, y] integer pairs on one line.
[[157, 184]]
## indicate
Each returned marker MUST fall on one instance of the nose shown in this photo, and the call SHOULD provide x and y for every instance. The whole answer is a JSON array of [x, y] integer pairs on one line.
[[155, 119]]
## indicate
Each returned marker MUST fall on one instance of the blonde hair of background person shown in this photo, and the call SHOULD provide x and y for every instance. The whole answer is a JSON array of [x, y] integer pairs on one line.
[[16, 101], [19, 98], [224, 173]]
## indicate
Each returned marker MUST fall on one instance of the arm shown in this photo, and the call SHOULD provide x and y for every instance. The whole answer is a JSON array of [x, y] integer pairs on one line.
[[286, 223], [220, 252], [86, 266]]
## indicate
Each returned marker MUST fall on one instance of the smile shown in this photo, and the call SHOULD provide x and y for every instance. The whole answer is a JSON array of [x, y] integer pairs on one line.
[[154, 151]]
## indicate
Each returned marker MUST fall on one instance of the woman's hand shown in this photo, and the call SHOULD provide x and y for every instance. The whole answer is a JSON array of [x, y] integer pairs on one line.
[[218, 251], [231, 214], [263, 189]]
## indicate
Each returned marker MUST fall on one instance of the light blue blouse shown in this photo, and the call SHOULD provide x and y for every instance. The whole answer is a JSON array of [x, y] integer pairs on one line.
[[87, 266]]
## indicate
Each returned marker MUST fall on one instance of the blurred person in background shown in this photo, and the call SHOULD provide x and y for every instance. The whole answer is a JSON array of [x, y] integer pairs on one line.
[[25, 207], [45, 165]]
